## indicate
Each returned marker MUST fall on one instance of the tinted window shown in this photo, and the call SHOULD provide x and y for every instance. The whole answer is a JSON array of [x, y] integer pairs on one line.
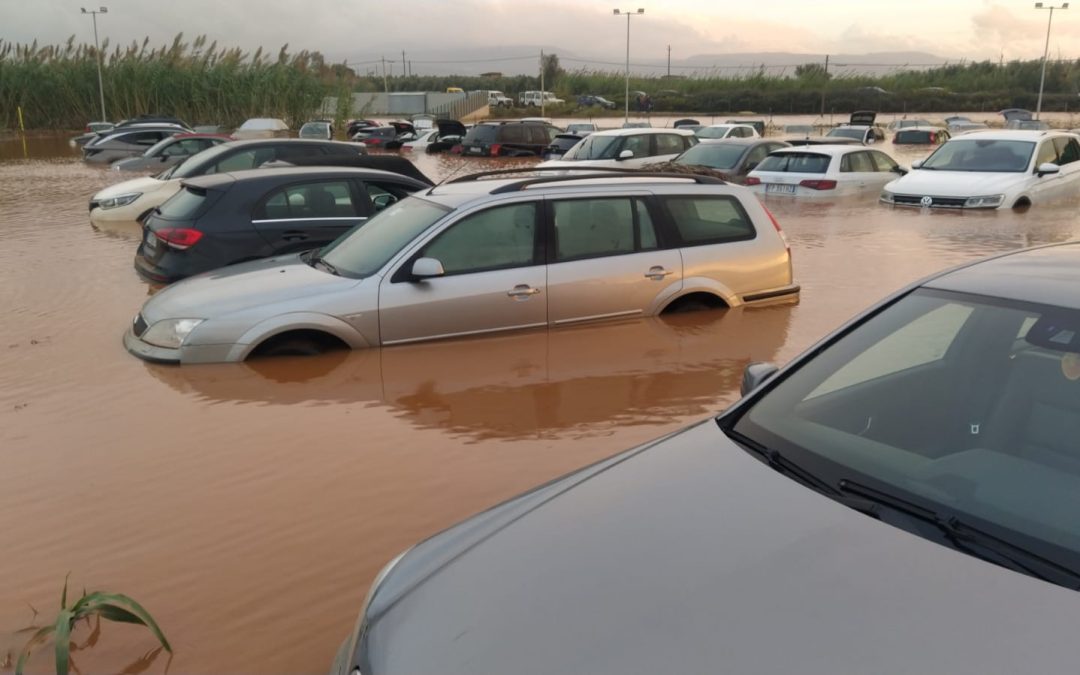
[[194, 166], [981, 155], [498, 238], [481, 133], [363, 250], [709, 220], [1068, 150], [328, 199], [916, 137], [756, 154], [796, 162], [595, 147], [291, 150], [668, 144], [848, 132], [713, 155], [513, 133], [591, 228], [241, 161], [184, 205]]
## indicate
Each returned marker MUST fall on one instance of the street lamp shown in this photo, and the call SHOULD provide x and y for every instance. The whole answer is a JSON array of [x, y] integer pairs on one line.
[[1046, 50], [628, 14], [97, 52]]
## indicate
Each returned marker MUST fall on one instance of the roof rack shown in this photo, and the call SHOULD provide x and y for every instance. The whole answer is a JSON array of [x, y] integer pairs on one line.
[[584, 173]]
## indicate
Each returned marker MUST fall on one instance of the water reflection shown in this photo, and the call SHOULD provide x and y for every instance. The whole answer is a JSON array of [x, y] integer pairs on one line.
[[574, 382]]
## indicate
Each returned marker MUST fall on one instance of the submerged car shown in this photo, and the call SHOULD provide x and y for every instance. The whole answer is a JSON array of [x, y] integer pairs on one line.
[[991, 170], [581, 128], [509, 139], [262, 127], [733, 157], [823, 171], [860, 127], [898, 499], [481, 255], [226, 218], [170, 152], [124, 142], [445, 135], [920, 136], [318, 129], [629, 148], [588, 100], [897, 125], [734, 130], [560, 144]]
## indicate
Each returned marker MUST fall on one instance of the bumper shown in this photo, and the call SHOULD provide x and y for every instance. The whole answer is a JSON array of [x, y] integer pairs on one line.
[[121, 214], [149, 352], [789, 292], [147, 270], [226, 353]]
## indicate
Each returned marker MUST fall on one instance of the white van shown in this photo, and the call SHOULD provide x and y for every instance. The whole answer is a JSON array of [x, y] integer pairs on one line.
[[497, 99], [534, 98]]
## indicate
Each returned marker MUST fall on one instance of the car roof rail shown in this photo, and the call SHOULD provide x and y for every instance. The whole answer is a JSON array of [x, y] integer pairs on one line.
[[584, 173]]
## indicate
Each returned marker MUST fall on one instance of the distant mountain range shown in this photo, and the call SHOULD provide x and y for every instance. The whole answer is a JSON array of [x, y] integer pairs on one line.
[[524, 60]]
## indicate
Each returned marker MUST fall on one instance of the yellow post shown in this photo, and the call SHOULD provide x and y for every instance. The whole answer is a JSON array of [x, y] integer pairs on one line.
[[21, 127]]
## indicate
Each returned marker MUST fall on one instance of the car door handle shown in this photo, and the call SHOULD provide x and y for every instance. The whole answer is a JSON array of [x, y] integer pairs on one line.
[[294, 235], [657, 273], [522, 291]]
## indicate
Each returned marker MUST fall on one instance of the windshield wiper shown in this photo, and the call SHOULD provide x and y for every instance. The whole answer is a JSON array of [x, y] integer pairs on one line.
[[316, 260], [968, 538], [784, 465]]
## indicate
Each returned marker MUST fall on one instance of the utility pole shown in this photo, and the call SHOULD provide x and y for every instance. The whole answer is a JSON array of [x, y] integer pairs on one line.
[[542, 97], [824, 84], [97, 52], [385, 84], [1046, 51], [669, 60], [404, 73], [628, 13]]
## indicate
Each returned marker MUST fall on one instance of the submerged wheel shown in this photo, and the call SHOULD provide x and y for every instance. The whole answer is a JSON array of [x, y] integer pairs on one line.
[[292, 347]]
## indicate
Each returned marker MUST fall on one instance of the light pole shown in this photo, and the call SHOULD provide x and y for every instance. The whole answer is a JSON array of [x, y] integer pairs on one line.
[[628, 14], [97, 52], [1046, 50]]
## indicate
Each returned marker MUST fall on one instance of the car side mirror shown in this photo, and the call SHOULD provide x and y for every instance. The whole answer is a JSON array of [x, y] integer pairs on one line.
[[916, 164], [424, 268], [755, 375], [1048, 168], [381, 201], [900, 170], [626, 154]]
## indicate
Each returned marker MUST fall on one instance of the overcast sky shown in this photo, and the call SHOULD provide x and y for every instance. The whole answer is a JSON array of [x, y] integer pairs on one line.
[[362, 30]]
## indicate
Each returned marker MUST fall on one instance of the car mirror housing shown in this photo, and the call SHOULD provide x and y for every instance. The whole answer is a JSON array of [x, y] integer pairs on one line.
[[755, 375], [916, 164], [626, 154], [1048, 168], [424, 268]]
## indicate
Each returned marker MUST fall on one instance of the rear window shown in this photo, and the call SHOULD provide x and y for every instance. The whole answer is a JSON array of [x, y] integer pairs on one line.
[[915, 137], [184, 205], [795, 162], [481, 133], [709, 220], [713, 155]]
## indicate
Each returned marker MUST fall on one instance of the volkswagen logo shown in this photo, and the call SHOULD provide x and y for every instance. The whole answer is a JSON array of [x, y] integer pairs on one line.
[[926, 201]]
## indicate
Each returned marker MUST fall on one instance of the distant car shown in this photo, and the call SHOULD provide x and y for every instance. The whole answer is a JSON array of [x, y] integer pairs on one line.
[[687, 123], [560, 144], [353, 126], [897, 499], [992, 170], [132, 200], [860, 127], [91, 131], [823, 170], [1027, 125], [637, 125], [446, 135], [759, 125], [225, 218], [262, 127], [478, 256], [581, 128], [318, 129], [125, 142], [589, 100], [508, 139], [965, 127], [628, 148], [820, 140], [170, 152], [379, 138], [896, 125], [143, 120], [733, 157], [718, 131], [920, 136]]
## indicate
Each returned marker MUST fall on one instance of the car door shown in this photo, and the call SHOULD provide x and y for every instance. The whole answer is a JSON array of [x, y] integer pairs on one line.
[[606, 259], [1045, 187], [309, 214], [494, 278], [1069, 161], [641, 146]]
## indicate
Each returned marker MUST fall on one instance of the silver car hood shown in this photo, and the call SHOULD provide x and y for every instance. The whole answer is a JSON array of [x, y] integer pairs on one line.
[[691, 556], [235, 288]]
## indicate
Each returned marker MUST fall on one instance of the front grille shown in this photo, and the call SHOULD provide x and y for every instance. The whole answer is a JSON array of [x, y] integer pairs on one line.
[[139, 326], [940, 202]]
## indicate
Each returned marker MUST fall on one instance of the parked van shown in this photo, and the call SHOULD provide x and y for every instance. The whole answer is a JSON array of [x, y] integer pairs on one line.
[[534, 98]]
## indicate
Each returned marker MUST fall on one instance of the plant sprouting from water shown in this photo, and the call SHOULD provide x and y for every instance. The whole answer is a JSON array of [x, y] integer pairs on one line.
[[109, 606]]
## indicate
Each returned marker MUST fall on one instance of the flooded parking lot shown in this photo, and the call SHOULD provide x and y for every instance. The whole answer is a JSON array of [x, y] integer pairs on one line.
[[249, 506]]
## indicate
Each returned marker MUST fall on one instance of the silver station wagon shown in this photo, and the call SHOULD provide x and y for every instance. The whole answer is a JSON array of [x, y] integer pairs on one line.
[[485, 253]]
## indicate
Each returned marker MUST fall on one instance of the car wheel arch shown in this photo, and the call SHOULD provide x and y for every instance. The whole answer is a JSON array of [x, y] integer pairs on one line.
[[292, 322], [692, 286]]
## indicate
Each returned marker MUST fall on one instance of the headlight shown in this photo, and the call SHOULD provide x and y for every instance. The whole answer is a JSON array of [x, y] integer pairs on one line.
[[888, 197], [988, 202], [170, 332], [343, 662], [119, 200]]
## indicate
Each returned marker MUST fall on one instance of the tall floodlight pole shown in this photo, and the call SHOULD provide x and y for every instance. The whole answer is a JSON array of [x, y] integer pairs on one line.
[[628, 14], [1046, 50], [97, 52]]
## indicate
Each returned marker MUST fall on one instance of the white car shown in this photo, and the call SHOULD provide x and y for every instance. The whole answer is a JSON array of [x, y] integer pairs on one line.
[[535, 98], [822, 170], [992, 169], [628, 148], [715, 131]]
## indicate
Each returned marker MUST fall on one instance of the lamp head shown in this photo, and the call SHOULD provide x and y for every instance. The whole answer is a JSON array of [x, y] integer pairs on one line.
[[104, 10], [642, 10], [615, 12]]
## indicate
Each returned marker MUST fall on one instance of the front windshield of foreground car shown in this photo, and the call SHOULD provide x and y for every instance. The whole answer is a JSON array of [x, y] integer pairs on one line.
[[981, 154], [594, 147], [363, 250], [964, 405]]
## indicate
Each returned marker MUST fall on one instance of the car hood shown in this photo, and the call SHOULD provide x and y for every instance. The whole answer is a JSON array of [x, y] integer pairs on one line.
[[145, 184], [954, 183], [238, 287], [692, 556]]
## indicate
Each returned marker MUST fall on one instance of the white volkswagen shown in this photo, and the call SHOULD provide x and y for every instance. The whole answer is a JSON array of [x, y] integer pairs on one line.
[[991, 170]]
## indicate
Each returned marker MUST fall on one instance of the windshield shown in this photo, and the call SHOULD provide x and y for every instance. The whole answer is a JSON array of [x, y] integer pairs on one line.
[[799, 129], [713, 155], [594, 147], [911, 136], [482, 133], [713, 132], [847, 132], [156, 148], [795, 162], [363, 250], [965, 405], [188, 168], [315, 130], [982, 154]]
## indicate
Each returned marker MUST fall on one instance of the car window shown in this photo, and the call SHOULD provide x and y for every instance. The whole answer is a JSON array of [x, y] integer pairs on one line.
[[796, 162], [183, 205], [981, 154], [1047, 153], [241, 161], [756, 154], [638, 144], [856, 162], [512, 133], [147, 138], [498, 238], [668, 144], [1068, 150], [592, 228], [325, 199], [383, 195], [883, 162], [709, 220]]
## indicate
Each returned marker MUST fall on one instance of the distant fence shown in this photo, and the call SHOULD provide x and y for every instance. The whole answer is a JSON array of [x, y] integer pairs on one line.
[[451, 105]]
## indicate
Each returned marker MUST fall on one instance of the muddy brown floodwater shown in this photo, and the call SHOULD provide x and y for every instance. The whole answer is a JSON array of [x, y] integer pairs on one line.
[[249, 506]]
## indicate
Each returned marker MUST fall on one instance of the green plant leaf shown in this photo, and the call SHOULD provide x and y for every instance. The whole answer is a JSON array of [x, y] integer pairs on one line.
[[62, 641], [63, 596], [96, 600], [118, 614], [38, 637]]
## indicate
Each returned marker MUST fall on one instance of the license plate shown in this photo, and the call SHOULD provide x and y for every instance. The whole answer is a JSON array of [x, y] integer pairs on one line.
[[150, 242], [781, 189], [476, 151]]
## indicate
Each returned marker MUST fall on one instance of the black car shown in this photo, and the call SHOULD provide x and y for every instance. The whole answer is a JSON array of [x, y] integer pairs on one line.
[[901, 498], [508, 139], [226, 218], [733, 157], [560, 145]]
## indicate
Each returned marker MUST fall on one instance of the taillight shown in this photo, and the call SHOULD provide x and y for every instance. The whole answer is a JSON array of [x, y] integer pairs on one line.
[[779, 230], [753, 180], [179, 238], [495, 147], [933, 138], [456, 149], [814, 184]]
